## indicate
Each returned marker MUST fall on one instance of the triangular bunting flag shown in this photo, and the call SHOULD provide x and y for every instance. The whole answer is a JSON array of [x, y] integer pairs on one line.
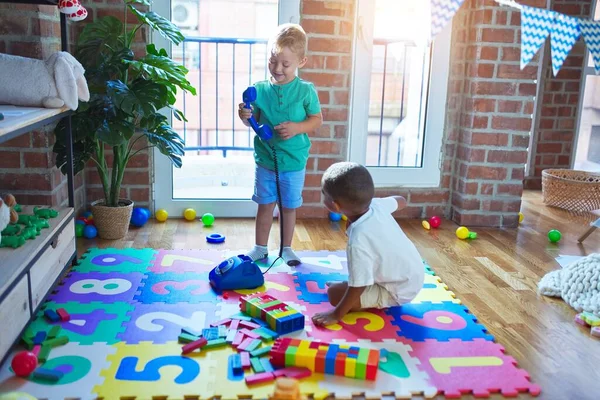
[[591, 33], [441, 12], [565, 33], [536, 25]]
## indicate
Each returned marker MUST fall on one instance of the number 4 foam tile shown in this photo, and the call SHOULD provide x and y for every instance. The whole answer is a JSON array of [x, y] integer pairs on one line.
[[186, 261], [81, 367], [95, 286], [115, 260], [479, 367], [435, 291]]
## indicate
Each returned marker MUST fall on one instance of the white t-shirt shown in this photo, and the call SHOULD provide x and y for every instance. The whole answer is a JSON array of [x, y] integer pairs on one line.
[[379, 252]]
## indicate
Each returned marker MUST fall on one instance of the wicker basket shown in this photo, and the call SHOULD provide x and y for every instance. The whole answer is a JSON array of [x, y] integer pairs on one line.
[[112, 222], [570, 189]]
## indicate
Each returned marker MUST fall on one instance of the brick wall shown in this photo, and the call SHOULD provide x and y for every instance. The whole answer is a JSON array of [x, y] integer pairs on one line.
[[556, 122]]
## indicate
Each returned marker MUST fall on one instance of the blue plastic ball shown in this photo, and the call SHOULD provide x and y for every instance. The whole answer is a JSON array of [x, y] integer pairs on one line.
[[86, 214], [79, 222], [90, 231], [335, 216], [139, 216]]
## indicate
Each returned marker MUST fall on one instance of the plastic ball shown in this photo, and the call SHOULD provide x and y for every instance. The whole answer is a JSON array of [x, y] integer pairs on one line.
[[161, 215], [335, 216], [79, 222], [89, 221], [554, 236], [24, 363], [473, 235], [344, 218], [208, 219], [189, 214], [139, 216], [435, 221], [426, 225], [87, 214], [462, 232], [90, 232], [521, 217], [79, 228]]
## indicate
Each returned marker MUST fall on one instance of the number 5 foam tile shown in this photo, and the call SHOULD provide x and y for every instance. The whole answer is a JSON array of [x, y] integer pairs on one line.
[[479, 367], [115, 260], [95, 286], [90, 323], [435, 291], [398, 375], [442, 321], [161, 323], [186, 261], [171, 287], [81, 368], [148, 370], [313, 288], [279, 285]]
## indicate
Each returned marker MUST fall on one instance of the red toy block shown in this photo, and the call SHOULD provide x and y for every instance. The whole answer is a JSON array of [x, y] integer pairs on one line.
[[36, 349], [320, 363], [245, 359], [235, 323], [251, 334], [260, 378], [221, 322], [188, 348], [239, 338], [245, 343], [293, 372], [63, 314], [372, 365], [340, 364], [249, 324]]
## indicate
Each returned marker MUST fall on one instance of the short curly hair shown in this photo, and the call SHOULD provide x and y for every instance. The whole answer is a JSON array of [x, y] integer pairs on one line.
[[291, 36], [350, 185]]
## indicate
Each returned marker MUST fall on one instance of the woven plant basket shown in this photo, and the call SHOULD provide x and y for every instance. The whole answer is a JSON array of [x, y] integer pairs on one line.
[[112, 222], [571, 190]]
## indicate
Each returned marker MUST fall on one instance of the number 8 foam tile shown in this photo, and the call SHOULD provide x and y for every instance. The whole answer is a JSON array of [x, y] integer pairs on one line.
[[147, 370], [186, 261], [115, 260], [171, 287], [94, 286], [81, 368], [435, 291]]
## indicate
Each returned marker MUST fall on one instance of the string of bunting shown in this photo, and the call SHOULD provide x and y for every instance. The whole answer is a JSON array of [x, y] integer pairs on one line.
[[536, 25]]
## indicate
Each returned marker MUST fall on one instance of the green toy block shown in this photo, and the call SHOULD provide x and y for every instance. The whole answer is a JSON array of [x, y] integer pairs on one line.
[[44, 354], [261, 351], [215, 343], [28, 342], [54, 332], [59, 341], [187, 338], [11, 230], [290, 356], [257, 365], [45, 212], [361, 364], [12, 241]]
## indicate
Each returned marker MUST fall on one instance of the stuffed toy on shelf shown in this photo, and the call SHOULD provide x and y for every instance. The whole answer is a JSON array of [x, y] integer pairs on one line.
[[8, 215]]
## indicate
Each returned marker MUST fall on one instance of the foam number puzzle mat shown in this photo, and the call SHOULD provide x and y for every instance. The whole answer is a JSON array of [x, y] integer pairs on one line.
[[143, 324]]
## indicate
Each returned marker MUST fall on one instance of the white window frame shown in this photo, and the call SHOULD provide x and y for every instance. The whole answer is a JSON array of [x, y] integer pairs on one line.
[[162, 182], [429, 175]]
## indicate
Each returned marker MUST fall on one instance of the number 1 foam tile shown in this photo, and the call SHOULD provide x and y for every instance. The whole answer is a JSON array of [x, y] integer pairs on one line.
[[148, 370], [81, 368], [441, 321], [435, 291], [279, 285], [161, 323], [479, 367], [95, 286], [186, 261], [90, 323], [398, 375], [312, 286], [115, 260], [172, 287]]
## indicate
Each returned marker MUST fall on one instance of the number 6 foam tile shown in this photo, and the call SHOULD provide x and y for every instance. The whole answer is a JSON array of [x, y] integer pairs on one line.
[[147, 370], [115, 260], [81, 368], [186, 261], [479, 367], [171, 287], [161, 323], [95, 286]]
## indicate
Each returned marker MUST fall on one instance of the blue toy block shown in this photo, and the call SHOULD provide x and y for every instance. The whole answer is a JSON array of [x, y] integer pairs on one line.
[[330, 357], [319, 279], [39, 337], [266, 364], [191, 331], [259, 322], [234, 374], [48, 374], [210, 333], [438, 321], [236, 363], [52, 315]]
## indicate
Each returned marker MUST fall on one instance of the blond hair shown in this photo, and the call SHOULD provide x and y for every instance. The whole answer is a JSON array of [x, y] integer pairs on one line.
[[291, 36]]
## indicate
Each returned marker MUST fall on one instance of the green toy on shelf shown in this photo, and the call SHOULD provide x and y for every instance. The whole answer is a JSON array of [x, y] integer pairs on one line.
[[41, 224], [45, 213], [26, 220], [18, 208], [12, 241], [11, 230], [30, 232]]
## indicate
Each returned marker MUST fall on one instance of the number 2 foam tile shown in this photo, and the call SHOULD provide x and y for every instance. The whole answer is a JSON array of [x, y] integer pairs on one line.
[[441, 321], [172, 287], [161, 323], [95, 286], [186, 261], [479, 367], [115, 260], [435, 291], [81, 368], [147, 370]]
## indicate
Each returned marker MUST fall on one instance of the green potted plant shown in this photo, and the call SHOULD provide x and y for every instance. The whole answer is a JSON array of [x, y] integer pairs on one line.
[[126, 99]]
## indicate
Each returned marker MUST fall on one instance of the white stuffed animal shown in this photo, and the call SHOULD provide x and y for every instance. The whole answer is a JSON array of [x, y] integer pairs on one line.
[[7, 213], [52, 83]]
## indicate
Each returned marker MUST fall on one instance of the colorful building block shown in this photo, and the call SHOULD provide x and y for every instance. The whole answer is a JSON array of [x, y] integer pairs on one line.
[[28, 342], [54, 331], [230, 336], [249, 324], [249, 344], [39, 337], [279, 316], [210, 333], [63, 314], [257, 365], [187, 338], [52, 315], [58, 341], [259, 378], [266, 364], [43, 354], [245, 357], [595, 331], [236, 363], [222, 332], [590, 318], [215, 343], [191, 331], [251, 334], [221, 322], [261, 351], [51, 375], [293, 372], [320, 357], [198, 344], [239, 338], [234, 325]]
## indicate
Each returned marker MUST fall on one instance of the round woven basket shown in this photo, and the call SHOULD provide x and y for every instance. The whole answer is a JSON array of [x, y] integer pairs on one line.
[[112, 222], [570, 189]]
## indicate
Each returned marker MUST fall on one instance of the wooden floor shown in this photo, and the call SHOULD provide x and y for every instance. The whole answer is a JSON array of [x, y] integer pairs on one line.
[[495, 276]]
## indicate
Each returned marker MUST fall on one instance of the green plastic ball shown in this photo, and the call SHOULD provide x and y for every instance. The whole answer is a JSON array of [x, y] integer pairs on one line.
[[554, 236], [79, 230], [208, 219]]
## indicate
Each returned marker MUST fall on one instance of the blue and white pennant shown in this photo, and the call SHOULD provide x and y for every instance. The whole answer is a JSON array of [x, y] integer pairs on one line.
[[441, 12], [536, 25], [565, 33], [591, 34]]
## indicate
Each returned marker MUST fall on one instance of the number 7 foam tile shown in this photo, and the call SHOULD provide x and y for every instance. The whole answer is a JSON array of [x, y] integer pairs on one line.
[[115, 260], [95, 286], [186, 261]]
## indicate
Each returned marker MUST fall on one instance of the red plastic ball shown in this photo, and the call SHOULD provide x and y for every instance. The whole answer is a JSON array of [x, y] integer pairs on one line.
[[89, 221], [435, 221], [24, 363]]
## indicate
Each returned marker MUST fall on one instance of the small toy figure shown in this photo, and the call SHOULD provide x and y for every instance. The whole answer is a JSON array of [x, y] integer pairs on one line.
[[7, 213], [12, 241], [30, 232], [45, 213], [11, 230]]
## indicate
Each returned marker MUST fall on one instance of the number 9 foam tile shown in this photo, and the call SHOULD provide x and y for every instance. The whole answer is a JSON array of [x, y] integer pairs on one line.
[[95, 286], [115, 260], [81, 367], [148, 370]]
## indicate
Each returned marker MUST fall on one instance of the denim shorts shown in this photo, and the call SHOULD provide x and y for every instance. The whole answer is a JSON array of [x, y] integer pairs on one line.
[[291, 183]]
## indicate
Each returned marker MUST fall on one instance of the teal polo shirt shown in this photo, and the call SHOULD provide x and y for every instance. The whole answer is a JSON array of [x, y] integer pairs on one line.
[[292, 102]]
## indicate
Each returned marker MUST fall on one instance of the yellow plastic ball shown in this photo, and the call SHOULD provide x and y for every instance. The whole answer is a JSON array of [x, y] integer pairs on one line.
[[462, 232], [161, 215], [426, 225], [521, 217], [344, 218], [189, 214]]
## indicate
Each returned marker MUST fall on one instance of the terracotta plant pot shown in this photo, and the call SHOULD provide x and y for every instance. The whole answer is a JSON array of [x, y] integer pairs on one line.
[[112, 222]]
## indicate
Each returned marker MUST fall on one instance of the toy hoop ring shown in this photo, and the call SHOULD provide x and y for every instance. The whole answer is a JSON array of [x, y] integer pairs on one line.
[[215, 238]]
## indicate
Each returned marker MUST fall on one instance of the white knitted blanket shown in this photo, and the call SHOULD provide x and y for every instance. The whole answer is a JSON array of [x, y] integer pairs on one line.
[[578, 284]]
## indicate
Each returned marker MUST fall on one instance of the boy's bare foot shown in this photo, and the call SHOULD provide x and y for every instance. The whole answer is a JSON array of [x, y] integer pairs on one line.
[[325, 318]]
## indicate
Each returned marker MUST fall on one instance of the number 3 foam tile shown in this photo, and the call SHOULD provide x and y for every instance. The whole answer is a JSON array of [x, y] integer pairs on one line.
[[90, 323], [186, 261], [81, 368], [171, 287], [435, 291], [479, 367], [442, 321], [161, 323], [94, 286], [148, 370], [115, 260]]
